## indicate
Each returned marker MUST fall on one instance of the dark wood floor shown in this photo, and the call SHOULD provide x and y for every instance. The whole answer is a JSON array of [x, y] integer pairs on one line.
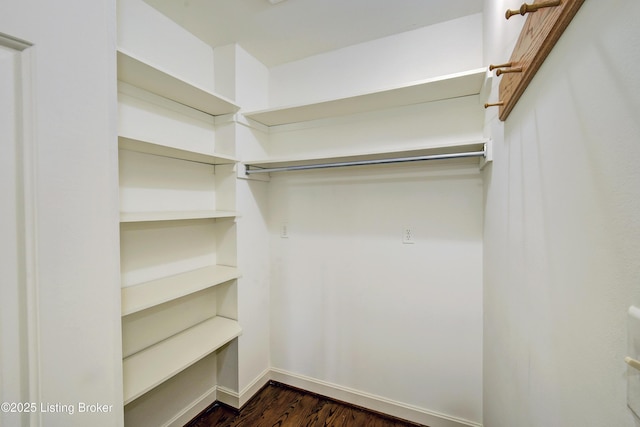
[[283, 406]]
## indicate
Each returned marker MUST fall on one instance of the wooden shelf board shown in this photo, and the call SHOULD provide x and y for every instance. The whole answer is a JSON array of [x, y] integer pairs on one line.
[[153, 79], [150, 367], [175, 215], [450, 86], [373, 155], [156, 149], [149, 294]]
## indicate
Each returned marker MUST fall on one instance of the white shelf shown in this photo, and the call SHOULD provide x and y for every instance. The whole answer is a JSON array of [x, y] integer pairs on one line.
[[150, 367], [372, 155], [174, 215], [172, 152], [155, 80], [445, 87], [149, 294]]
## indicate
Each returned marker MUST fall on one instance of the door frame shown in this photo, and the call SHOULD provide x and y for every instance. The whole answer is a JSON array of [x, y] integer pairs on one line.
[[25, 212]]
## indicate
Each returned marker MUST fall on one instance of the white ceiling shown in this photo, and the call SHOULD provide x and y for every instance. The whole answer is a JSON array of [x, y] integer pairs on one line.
[[294, 29]]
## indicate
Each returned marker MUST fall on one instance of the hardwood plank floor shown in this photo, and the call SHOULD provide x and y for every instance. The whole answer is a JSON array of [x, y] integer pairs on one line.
[[278, 405]]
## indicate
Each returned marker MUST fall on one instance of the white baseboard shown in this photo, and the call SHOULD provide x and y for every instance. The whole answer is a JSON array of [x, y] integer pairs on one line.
[[255, 386], [228, 397], [334, 391], [370, 401], [191, 411], [237, 400]]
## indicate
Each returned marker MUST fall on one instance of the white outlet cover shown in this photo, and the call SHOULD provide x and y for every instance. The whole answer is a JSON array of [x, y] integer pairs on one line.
[[408, 237]]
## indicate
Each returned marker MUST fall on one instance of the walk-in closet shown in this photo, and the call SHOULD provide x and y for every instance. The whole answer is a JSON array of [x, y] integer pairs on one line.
[[424, 209]]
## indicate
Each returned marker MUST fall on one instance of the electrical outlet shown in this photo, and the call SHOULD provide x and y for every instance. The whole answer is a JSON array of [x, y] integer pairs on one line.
[[284, 231], [407, 236]]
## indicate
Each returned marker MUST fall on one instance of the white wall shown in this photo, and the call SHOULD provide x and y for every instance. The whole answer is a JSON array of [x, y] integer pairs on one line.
[[149, 35], [253, 288], [353, 306], [73, 130], [451, 121], [251, 88], [241, 77], [561, 234], [433, 51]]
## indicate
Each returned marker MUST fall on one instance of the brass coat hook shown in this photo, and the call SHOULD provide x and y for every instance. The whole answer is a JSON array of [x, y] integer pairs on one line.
[[495, 104], [508, 70], [526, 8], [505, 65]]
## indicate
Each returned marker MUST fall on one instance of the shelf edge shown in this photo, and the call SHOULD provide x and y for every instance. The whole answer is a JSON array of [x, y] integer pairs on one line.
[[220, 274], [158, 149], [129, 217], [372, 100]]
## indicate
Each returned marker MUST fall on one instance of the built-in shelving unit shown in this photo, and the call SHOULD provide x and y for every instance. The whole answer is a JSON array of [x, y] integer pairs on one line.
[[444, 87], [154, 79], [177, 230], [150, 367]]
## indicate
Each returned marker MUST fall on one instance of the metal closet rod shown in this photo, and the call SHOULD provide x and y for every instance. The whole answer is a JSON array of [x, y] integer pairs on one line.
[[482, 153]]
